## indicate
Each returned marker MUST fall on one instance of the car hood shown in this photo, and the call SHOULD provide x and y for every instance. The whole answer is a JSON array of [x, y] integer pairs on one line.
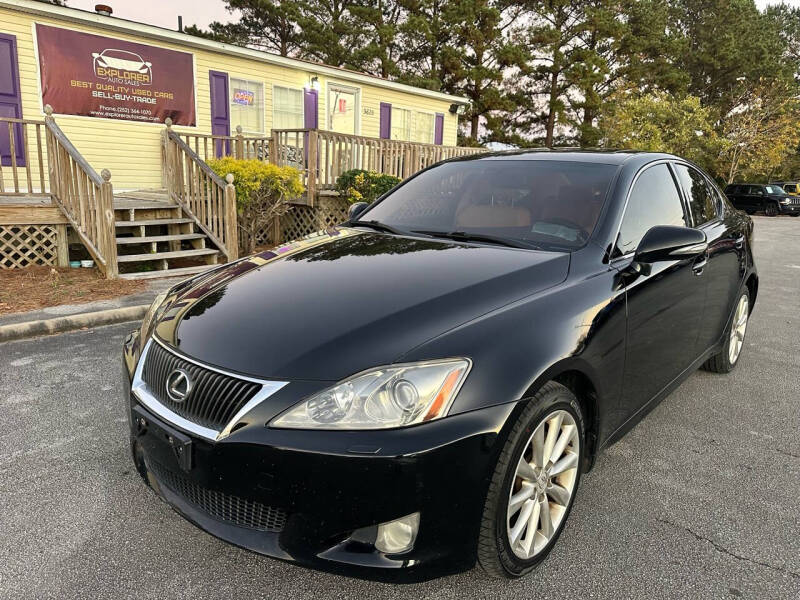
[[341, 301]]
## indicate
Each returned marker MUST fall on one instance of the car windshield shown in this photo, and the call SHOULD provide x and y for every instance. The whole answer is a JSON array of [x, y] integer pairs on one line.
[[547, 204], [774, 189]]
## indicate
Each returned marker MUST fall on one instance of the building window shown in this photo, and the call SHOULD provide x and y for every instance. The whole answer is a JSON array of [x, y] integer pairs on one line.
[[423, 127], [343, 108], [401, 124], [247, 105], [287, 108]]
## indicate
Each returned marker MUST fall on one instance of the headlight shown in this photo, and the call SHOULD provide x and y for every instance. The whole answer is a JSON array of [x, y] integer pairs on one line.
[[786, 201], [392, 396], [150, 317]]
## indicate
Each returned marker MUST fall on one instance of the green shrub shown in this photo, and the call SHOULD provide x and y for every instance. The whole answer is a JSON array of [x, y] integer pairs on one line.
[[357, 185], [263, 192]]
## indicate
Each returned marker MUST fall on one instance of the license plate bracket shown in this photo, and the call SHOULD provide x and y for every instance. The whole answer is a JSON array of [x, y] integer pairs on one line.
[[180, 443]]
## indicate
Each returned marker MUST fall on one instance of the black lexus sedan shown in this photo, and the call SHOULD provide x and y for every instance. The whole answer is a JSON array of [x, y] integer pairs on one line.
[[772, 199], [424, 385]]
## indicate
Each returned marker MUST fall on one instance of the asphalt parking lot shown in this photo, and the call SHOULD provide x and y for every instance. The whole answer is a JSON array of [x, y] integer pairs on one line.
[[700, 500]]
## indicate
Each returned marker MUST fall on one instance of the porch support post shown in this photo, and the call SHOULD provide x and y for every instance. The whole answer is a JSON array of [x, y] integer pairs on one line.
[[231, 219], [238, 144], [311, 186], [108, 234], [62, 245]]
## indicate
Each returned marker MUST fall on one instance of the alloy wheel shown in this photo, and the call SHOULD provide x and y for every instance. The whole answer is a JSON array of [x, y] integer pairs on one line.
[[543, 484], [738, 329]]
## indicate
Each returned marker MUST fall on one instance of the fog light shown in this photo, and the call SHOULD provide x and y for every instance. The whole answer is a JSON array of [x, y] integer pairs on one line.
[[399, 535]]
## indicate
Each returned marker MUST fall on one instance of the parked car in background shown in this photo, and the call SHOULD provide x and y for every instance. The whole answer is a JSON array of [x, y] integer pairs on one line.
[[790, 187], [770, 199], [424, 385]]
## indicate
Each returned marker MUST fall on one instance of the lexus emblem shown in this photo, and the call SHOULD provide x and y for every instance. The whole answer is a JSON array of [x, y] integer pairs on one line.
[[179, 385]]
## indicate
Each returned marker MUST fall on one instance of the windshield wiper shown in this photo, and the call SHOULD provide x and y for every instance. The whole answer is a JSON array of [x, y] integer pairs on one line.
[[378, 226], [463, 236]]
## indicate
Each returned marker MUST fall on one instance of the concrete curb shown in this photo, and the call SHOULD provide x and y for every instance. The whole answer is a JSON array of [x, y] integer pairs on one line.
[[19, 331]]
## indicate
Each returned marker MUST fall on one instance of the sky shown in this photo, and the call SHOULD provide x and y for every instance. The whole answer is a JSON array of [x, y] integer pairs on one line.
[[164, 13]]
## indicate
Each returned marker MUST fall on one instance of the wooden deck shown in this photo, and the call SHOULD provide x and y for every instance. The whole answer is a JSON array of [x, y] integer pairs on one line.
[[141, 199]]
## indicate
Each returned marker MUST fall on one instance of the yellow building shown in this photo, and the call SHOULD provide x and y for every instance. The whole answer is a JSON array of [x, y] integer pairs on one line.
[[113, 82]]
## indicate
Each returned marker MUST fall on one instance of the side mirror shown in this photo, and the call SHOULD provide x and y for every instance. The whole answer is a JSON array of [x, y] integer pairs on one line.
[[666, 242], [356, 209]]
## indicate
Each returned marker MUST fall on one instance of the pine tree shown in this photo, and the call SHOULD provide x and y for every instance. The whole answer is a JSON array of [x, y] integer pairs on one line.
[[270, 25], [379, 22], [426, 34], [552, 41], [330, 32], [483, 49]]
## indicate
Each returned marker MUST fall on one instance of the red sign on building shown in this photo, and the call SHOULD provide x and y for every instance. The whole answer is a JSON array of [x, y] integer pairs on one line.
[[97, 76]]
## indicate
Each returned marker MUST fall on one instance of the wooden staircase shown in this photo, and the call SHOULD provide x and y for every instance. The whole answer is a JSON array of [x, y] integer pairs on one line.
[[155, 239]]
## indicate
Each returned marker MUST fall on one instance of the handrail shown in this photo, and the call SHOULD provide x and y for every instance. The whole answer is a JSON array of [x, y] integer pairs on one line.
[[202, 194], [85, 198]]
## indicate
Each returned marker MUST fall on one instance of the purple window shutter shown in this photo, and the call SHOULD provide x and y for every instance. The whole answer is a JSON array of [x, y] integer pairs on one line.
[[10, 100], [220, 111], [386, 120], [311, 109], [438, 129]]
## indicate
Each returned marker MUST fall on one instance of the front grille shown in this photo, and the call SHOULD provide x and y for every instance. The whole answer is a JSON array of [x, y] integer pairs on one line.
[[214, 398], [219, 505]]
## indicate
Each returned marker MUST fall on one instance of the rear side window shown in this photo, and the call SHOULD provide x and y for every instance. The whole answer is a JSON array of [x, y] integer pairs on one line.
[[732, 190], [702, 201], [654, 200]]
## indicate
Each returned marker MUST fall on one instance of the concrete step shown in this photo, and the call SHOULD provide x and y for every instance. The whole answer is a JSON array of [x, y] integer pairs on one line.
[[185, 271], [128, 258], [167, 221], [160, 238]]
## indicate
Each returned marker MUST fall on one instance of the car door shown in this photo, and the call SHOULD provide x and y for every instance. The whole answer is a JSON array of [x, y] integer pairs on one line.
[[664, 305], [722, 271], [733, 193], [756, 197]]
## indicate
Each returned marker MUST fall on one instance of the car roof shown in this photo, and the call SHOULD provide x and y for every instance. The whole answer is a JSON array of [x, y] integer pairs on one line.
[[614, 157]]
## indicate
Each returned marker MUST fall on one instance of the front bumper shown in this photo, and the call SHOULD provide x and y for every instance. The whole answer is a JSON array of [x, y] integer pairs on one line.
[[789, 209], [299, 495]]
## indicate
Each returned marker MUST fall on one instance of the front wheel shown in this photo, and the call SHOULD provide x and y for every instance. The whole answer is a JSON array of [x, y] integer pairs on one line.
[[533, 485], [772, 209], [726, 359]]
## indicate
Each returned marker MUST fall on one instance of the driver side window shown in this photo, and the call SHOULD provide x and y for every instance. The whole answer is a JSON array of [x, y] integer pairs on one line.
[[654, 200]]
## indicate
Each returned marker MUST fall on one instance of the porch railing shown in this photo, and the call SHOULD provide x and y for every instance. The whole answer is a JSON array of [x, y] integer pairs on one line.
[[202, 194], [323, 156], [208, 146], [85, 198], [23, 171]]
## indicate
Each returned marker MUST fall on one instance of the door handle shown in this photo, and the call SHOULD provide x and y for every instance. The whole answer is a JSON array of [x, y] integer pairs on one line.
[[739, 243]]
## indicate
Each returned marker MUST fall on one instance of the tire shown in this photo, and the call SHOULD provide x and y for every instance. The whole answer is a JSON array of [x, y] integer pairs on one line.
[[771, 210], [726, 359], [496, 554]]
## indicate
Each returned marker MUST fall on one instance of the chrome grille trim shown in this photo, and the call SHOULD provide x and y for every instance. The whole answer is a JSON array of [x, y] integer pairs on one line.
[[146, 397]]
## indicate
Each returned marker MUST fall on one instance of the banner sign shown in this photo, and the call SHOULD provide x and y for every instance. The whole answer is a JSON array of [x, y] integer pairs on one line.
[[244, 97], [96, 76]]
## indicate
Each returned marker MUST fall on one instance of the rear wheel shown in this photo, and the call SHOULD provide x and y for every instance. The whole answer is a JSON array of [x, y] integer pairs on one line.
[[533, 485], [728, 357], [771, 209]]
